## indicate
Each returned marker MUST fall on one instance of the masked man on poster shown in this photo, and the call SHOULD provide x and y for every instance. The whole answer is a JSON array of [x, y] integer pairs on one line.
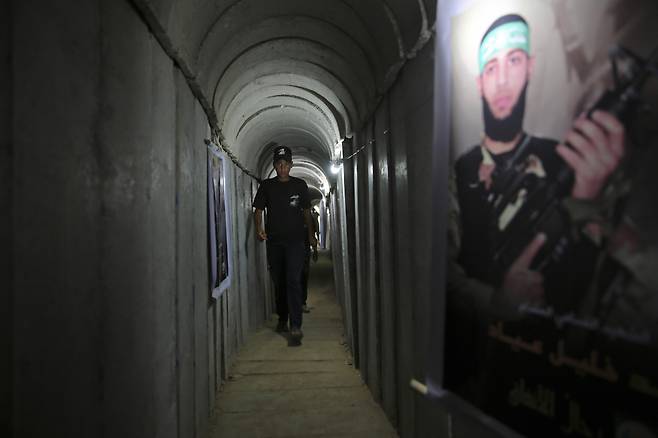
[[596, 148], [287, 202]]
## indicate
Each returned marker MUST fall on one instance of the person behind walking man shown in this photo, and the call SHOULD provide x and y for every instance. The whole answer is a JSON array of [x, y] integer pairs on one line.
[[307, 261], [287, 202]]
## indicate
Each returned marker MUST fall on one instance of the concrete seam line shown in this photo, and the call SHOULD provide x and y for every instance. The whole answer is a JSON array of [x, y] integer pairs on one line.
[[145, 11]]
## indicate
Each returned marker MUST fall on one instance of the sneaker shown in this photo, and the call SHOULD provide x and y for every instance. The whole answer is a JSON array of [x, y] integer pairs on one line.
[[306, 309], [282, 326], [296, 333]]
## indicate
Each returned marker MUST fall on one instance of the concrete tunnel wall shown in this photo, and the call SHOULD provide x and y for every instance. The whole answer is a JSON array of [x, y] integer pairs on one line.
[[383, 254], [5, 217], [112, 331]]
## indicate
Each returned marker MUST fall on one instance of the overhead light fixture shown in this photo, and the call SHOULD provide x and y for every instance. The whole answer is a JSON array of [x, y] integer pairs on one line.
[[336, 166]]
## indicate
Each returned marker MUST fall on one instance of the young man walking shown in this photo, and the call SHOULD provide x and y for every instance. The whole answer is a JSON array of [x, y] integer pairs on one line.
[[286, 201]]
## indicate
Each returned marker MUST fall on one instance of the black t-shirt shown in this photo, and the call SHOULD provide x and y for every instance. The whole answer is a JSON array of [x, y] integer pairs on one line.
[[284, 202]]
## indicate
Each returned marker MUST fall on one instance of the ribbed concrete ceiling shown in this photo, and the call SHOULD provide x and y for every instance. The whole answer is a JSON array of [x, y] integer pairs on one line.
[[304, 73]]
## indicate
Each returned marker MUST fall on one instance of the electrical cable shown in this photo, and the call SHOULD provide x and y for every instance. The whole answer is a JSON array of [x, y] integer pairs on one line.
[[360, 149]]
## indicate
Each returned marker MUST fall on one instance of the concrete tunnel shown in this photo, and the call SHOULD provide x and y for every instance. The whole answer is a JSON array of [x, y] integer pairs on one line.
[[108, 319], [120, 316]]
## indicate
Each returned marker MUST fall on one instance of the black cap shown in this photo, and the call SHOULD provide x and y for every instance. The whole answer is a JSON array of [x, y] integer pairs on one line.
[[282, 153]]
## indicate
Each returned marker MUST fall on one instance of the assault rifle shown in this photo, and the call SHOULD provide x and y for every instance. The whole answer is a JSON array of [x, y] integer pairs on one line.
[[525, 204]]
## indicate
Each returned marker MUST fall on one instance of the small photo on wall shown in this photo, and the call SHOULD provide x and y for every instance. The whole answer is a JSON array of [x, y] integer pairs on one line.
[[219, 222]]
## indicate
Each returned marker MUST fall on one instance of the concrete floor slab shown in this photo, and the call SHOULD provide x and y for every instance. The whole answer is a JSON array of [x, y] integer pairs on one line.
[[342, 421], [277, 350], [294, 366], [310, 399], [274, 382]]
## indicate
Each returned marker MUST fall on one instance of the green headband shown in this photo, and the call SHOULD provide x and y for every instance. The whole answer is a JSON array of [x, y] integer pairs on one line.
[[514, 35]]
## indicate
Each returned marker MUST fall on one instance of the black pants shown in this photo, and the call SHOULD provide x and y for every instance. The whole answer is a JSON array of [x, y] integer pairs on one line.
[[286, 262]]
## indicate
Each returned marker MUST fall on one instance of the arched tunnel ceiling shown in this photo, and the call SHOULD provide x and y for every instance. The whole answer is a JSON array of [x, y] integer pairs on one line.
[[249, 103], [304, 89], [304, 73]]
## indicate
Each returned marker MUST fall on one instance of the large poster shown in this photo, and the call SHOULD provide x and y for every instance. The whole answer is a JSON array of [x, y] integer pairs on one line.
[[552, 296]]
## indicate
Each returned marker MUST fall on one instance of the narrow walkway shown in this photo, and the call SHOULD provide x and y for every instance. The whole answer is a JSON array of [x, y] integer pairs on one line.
[[300, 391]]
